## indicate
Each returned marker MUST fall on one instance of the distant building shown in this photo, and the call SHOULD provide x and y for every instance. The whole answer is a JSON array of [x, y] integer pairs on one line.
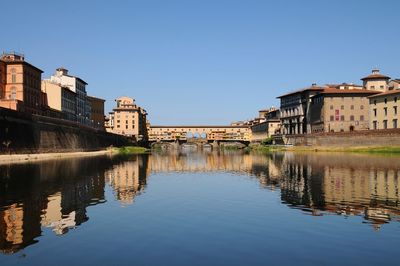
[[97, 111], [128, 119], [295, 110], [78, 86], [20, 85], [384, 110], [60, 98], [376, 81], [338, 110], [270, 126]]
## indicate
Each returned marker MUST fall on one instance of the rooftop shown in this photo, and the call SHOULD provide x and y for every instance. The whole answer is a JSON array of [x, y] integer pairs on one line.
[[313, 87], [391, 92], [375, 75]]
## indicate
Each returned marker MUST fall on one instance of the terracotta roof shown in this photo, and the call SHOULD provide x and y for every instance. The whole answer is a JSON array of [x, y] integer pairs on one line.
[[312, 88], [353, 91], [375, 76], [385, 93]]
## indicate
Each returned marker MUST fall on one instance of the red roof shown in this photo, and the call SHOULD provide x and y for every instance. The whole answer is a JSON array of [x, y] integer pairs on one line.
[[312, 88], [353, 91], [386, 93], [375, 76]]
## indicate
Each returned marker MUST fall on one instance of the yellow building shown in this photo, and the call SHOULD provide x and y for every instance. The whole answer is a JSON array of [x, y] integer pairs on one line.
[[337, 110], [60, 98], [384, 110], [128, 119]]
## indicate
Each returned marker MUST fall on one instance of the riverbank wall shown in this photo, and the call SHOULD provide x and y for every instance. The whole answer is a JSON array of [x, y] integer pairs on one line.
[[24, 133], [367, 138]]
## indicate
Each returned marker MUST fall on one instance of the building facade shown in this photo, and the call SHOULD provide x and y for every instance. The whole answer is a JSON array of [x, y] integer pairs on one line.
[[384, 110], [336, 110], [78, 86], [267, 128], [97, 111], [128, 119], [60, 98], [295, 110], [21, 89]]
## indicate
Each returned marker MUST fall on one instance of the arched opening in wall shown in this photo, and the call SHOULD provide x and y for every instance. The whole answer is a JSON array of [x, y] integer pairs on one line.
[[196, 135], [189, 135], [351, 128], [203, 135]]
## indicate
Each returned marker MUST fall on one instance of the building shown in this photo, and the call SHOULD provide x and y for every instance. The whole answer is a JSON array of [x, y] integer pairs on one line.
[[128, 119], [78, 86], [60, 98], [338, 110], [267, 128], [2, 79], [97, 111], [20, 84], [384, 110], [295, 110], [376, 81]]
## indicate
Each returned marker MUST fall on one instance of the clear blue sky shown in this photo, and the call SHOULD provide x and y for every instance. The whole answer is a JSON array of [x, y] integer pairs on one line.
[[208, 61]]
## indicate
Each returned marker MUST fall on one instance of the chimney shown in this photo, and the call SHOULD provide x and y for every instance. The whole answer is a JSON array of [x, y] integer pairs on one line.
[[375, 71], [61, 71]]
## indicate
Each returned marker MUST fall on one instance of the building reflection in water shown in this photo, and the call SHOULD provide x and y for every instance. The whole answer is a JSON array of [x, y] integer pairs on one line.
[[56, 194], [50, 194], [128, 179]]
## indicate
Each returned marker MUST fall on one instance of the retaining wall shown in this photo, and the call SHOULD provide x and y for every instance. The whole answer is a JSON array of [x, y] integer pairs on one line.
[[389, 137], [23, 133]]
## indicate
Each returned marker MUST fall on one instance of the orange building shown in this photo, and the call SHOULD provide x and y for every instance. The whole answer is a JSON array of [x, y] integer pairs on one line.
[[20, 84]]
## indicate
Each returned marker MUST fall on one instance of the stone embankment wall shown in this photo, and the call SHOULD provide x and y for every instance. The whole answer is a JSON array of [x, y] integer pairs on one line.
[[22, 133], [388, 137]]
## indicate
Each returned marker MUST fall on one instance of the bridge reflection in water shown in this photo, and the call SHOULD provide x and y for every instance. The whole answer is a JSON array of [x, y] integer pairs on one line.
[[56, 194]]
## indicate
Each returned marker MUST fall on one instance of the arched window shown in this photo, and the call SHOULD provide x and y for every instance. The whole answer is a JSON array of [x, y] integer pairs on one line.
[[13, 75]]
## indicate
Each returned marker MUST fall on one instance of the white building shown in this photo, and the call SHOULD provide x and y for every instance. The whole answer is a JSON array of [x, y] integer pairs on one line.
[[78, 86]]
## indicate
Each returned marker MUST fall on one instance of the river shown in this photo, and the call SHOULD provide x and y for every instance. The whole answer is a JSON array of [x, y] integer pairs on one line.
[[202, 208]]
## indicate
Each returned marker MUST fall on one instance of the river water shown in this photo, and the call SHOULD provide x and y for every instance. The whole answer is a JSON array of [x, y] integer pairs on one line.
[[202, 208]]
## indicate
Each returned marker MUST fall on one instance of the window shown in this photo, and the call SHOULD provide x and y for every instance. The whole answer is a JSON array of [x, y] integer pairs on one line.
[[374, 102], [395, 110], [372, 87], [133, 126], [385, 111], [361, 118], [381, 87], [395, 99], [375, 125], [342, 118], [118, 121], [385, 100], [394, 123], [375, 112], [352, 107], [332, 118], [352, 118], [342, 107], [126, 126], [362, 107], [118, 126], [331, 107], [384, 124]]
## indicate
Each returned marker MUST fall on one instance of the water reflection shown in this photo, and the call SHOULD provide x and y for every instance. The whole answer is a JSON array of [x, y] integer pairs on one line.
[[56, 194]]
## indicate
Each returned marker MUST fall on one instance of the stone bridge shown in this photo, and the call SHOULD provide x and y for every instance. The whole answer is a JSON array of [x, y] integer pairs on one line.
[[207, 133]]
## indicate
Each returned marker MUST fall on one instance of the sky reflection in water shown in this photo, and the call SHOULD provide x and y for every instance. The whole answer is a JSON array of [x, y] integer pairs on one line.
[[202, 208]]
